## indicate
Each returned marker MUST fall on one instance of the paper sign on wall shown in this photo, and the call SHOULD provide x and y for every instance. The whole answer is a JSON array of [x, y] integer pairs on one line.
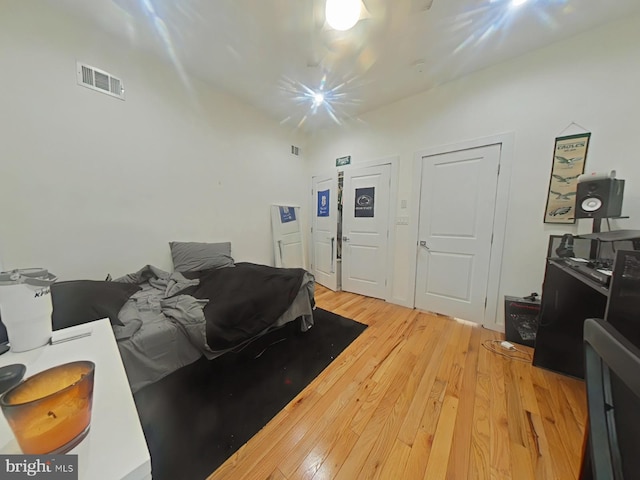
[[340, 162], [323, 203], [365, 201], [569, 157], [287, 214]]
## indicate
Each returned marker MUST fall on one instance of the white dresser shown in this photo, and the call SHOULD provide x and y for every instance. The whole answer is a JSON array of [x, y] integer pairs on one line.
[[115, 447]]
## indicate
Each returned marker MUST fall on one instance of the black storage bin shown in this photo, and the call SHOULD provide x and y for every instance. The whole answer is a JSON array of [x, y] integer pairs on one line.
[[521, 316]]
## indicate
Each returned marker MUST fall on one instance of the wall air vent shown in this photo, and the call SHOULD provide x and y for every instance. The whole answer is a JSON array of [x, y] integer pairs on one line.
[[295, 150], [99, 80]]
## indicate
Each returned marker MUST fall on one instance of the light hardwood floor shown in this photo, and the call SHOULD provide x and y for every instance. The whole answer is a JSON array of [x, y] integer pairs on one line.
[[418, 396]]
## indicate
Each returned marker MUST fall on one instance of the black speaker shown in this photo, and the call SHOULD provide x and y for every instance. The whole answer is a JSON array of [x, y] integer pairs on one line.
[[521, 319], [600, 198]]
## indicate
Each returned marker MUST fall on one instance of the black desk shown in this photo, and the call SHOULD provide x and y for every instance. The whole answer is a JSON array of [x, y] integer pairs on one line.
[[568, 298]]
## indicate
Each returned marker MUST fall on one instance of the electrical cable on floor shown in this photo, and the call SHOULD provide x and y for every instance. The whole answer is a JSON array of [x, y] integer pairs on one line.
[[270, 345], [489, 345]]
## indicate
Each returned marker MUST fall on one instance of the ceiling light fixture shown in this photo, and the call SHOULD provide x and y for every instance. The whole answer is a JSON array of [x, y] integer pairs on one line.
[[342, 14], [517, 3]]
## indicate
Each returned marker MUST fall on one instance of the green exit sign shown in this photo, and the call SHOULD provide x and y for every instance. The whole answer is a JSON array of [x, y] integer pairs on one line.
[[343, 161]]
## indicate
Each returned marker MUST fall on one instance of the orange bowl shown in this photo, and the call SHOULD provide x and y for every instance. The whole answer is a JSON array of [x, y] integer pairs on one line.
[[50, 412]]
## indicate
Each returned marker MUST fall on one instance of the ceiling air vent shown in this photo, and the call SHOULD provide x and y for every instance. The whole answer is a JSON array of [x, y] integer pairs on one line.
[[99, 80]]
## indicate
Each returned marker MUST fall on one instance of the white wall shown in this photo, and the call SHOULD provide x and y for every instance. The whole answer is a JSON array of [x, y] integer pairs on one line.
[[91, 185], [591, 79]]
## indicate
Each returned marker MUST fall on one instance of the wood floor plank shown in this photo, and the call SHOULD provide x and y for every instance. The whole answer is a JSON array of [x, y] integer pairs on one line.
[[575, 392], [515, 410], [458, 360], [499, 439], [568, 426], [395, 463], [521, 462], [388, 437], [333, 436], [277, 475], [466, 394], [522, 374], [386, 364], [323, 422], [431, 414], [418, 456], [330, 422], [441, 450], [338, 454], [561, 461], [418, 396], [541, 453], [378, 422], [418, 406], [479, 464]]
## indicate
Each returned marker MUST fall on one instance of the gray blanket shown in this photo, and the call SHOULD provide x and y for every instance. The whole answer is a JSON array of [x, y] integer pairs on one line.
[[159, 294], [162, 329]]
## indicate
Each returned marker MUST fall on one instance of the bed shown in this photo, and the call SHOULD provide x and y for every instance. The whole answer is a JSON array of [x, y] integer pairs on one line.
[[209, 305]]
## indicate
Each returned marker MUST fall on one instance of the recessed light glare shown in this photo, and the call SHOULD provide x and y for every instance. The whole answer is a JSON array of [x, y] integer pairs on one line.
[[342, 14], [318, 98], [517, 3]]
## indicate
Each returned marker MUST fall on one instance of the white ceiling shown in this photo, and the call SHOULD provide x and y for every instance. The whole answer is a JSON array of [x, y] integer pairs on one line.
[[267, 51]]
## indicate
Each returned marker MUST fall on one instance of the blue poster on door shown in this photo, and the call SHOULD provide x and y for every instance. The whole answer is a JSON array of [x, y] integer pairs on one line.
[[287, 214], [365, 201], [323, 203]]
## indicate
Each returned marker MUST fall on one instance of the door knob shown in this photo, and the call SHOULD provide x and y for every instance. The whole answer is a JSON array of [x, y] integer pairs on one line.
[[423, 243], [345, 239]]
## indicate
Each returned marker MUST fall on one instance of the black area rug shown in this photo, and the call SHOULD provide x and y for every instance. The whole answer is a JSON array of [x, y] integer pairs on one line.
[[197, 417]]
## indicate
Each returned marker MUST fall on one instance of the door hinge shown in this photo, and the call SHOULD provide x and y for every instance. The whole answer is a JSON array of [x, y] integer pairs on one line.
[[491, 238], [498, 169], [485, 303]]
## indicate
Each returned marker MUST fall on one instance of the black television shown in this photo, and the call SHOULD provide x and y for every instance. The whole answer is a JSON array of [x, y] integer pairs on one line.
[[623, 304]]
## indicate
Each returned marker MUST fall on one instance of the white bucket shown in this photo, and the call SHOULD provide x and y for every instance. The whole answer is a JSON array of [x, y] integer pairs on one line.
[[25, 307]]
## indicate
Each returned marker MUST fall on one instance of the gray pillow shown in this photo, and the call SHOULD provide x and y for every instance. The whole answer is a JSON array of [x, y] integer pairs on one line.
[[192, 256]]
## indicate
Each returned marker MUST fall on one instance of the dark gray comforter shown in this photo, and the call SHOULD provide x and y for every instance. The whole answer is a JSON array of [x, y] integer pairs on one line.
[[245, 300]]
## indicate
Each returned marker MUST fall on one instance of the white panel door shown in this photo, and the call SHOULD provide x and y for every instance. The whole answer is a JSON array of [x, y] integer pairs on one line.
[[365, 228], [324, 250], [457, 203], [287, 237]]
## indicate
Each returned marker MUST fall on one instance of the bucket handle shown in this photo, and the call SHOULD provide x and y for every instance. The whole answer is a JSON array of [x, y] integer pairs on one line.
[[43, 281]]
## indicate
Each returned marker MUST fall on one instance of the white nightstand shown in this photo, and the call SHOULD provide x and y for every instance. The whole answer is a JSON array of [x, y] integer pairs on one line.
[[115, 447]]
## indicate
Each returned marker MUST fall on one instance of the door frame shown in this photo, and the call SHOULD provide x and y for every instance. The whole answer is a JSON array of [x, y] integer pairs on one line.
[[394, 161], [507, 141]]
